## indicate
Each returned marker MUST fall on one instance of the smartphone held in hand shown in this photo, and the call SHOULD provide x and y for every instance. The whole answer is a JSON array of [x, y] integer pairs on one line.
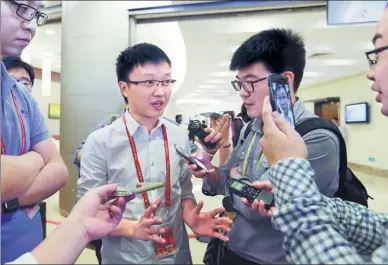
[[280, 97]]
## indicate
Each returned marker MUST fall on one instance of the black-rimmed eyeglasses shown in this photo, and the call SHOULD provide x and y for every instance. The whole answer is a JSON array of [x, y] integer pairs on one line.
[[154, 83], [28, 13], [248, 86], [372, 56]]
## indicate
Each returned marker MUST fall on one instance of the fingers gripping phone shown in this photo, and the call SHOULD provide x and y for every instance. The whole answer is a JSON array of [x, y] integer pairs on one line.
[[140, 187], [191, 159], [195, 129], [280, 97], [251, 193]]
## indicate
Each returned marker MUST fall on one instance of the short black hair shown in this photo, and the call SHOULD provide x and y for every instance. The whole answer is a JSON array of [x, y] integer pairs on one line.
[[279, 49], [138, 55], [14, 62]]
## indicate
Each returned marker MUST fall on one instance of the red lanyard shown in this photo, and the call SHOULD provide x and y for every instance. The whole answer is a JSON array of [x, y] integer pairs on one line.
[[138, 168], [23, 148]]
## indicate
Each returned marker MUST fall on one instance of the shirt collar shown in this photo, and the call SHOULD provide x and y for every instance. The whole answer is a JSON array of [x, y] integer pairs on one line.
[[298, 110], [133, 125]]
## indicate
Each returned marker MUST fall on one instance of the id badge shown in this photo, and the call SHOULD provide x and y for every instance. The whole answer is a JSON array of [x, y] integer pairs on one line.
[[167, 249], [31, 211]]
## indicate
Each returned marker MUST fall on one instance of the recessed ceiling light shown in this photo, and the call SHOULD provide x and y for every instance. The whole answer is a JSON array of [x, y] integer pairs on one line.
[[312, 74], [338, 62], [223, 74], [50, 32], [322, 49], [215, 81], [207, 86]]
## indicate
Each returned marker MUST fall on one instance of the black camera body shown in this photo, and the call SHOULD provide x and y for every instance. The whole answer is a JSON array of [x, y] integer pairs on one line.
[[196, 129]]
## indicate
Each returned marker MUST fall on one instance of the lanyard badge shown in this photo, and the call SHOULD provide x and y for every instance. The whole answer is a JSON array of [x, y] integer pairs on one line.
[[169, 248]]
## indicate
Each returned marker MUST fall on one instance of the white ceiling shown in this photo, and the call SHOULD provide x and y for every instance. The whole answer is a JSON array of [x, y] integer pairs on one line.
[[210, 44]]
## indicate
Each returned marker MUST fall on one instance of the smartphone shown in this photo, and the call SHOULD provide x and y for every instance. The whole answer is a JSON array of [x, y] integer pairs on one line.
[[280, 97], [191, 159], [142, 187]]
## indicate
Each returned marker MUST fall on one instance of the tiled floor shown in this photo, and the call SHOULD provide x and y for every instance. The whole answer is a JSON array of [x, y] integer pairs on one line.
[[377, 187]]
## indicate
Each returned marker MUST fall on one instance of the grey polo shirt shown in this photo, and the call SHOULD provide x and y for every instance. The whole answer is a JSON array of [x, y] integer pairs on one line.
[[253, 236]]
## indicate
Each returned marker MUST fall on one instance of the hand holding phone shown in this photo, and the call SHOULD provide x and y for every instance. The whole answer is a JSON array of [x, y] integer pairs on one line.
[[196, 129], [250, 193], [280, 97], [191, 159]]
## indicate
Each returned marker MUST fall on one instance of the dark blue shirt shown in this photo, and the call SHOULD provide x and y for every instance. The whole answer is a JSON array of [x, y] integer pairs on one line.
[[19, 233]]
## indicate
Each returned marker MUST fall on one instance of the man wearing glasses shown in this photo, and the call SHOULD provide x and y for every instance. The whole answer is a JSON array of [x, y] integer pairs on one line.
[[31, 166], [20, 70], [318, 229], [139, 147], [253, 240]]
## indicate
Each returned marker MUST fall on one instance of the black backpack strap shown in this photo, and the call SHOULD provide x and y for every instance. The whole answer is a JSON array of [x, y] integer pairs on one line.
[[248, 129], [312, 124]]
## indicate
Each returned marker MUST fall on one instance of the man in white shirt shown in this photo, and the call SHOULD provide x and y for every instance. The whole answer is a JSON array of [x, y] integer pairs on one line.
[[140, 147]]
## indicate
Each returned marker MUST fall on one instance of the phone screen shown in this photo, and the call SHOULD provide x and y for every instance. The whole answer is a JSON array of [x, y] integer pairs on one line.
[[280, 97]]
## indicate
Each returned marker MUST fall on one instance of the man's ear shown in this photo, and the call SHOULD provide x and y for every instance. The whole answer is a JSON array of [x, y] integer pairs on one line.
[[124, 88], [290, 76]]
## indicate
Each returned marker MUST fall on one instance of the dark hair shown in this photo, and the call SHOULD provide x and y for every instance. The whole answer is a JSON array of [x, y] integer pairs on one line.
[[279, 50], [14, 62], [138, 55]]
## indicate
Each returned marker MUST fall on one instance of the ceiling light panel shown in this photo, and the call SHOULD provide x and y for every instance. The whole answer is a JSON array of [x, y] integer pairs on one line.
[[215, 81], [223, 74]]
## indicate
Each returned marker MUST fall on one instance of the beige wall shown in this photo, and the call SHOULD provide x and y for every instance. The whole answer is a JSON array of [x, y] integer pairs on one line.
[[43, 103], [364, 141]]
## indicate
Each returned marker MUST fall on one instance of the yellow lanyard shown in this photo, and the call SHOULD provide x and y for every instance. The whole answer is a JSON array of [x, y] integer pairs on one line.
[[249, 151]]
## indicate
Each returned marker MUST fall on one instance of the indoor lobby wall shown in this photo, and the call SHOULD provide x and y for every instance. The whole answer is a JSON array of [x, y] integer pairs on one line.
[[366, 143], [44, 101]]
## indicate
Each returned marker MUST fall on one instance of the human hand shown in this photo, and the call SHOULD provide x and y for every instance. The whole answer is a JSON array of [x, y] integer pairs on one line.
[[212, 137], [204, 158], [280, 140], [145, 228], [223, 126], [259, 206], [207, 224], [99, 218]]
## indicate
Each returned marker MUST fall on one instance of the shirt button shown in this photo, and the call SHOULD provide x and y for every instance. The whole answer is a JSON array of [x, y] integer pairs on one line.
[[152, 163]]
